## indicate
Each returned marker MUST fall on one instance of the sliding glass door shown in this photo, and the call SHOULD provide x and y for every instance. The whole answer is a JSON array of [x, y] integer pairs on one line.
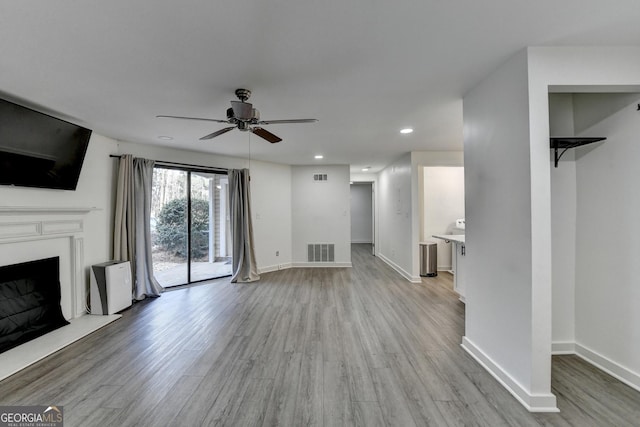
[[210, 251], [190, 226]]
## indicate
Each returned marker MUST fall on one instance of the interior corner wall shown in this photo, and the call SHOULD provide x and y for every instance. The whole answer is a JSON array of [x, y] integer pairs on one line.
[[498, 326], [320, 212], [396, 236], [607, 252], [563, 254], [271, 211]]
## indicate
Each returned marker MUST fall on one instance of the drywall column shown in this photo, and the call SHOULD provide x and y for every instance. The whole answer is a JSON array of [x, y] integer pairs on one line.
[[500, 329]]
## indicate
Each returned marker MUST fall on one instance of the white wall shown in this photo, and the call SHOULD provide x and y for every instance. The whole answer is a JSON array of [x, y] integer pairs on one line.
[[396, 232], [563, 226], [271, 210], [443, 203], [95, 189], [498, 201], [271, 197], [320, 212], [361, 213], [563, 249], [607, 268]]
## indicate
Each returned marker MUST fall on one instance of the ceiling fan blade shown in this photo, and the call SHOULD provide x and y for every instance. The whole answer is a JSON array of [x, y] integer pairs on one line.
[[272, 122], [217, 133], [263, 133], [192, 118]]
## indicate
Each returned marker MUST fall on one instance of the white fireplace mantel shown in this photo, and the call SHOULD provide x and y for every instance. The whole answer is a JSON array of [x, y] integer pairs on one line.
[[45, 210], [31, 232]]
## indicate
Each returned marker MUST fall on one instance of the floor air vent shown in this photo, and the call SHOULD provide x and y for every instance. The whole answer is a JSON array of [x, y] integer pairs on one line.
[[320, 252]]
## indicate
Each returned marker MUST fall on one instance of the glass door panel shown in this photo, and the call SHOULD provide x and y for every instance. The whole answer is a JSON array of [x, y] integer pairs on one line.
[[210, 242], [169, 236]]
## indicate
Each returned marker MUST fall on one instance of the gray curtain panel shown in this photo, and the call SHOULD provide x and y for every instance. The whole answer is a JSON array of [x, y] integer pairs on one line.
[[146, 285], [244, 266], [132, 228], [123, 232]]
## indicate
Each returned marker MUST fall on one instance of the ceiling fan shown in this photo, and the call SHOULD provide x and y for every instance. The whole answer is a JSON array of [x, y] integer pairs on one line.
[[243, 116]]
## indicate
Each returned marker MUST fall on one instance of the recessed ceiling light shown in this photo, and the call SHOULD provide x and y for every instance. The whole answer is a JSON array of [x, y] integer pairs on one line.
[[165, 138], [366, 169], [318, 156], [406, 130]]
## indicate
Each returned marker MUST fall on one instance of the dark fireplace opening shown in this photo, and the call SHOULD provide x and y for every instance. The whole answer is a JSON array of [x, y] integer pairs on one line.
[[29, 301]]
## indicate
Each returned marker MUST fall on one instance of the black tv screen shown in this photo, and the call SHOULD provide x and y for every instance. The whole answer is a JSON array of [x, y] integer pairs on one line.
[[37, 150]]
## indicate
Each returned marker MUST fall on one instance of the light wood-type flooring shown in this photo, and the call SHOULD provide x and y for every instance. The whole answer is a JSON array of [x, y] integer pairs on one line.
[[354, 346]]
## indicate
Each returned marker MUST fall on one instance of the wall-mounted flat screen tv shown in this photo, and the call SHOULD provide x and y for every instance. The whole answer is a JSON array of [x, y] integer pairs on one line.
[[37, 150]]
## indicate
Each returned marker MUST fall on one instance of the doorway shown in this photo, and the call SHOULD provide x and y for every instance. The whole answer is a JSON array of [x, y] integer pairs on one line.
[[190, 229], [593, 192], [363, 214]]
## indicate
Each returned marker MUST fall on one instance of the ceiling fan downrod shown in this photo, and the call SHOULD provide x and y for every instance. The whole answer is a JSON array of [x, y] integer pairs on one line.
[[243, 94]]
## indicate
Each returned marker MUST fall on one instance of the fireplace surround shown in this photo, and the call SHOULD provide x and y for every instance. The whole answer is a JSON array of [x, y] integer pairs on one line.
[[31, 232], [29, 301]]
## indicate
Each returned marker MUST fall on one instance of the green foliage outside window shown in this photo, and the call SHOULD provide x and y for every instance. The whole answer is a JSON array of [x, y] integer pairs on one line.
[[172, 227]]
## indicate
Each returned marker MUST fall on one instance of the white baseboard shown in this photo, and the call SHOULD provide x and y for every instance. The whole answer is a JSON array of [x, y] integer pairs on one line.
[[321, 264], [275, 267], [18, 358], [532, 402], [559, 348], [396, 267], [613, 368]]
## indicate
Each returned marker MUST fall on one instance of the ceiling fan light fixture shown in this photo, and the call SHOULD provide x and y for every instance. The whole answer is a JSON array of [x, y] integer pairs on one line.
[[242, 110], [243, 117]]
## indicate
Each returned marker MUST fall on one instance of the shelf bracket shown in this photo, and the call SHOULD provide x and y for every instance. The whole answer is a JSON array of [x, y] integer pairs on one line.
[[569, 142]]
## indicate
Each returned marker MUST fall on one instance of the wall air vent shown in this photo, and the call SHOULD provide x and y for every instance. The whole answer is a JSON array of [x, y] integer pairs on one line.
[[319, 177], [320, 252]]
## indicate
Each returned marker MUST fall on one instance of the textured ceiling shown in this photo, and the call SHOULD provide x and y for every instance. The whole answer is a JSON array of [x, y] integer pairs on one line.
[[364, 68]]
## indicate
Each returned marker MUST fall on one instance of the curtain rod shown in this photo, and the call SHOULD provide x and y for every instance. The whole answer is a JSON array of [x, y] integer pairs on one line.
[[187, 165]]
